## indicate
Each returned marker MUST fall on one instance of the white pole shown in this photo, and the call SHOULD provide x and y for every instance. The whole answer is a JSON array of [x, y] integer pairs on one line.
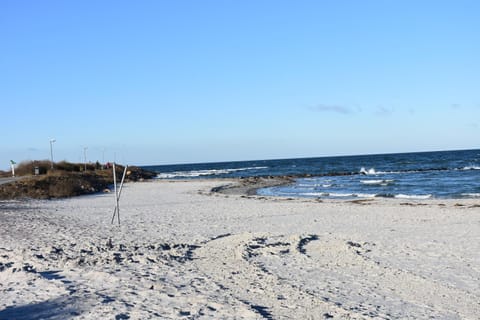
[[121, 183], [13, 169], [114, 181], [85, 157], [115, 191], [51, 151], [117, 195]]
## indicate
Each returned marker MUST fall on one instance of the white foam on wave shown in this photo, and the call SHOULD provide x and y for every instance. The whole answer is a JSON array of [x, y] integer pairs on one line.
[[341, 195], [314, 194], [199, 173], [334, 195], [415, 196], [338, 195], [366, 195], [370, 171], [471, 168], [471, 195], [377, 182], [313, 185]]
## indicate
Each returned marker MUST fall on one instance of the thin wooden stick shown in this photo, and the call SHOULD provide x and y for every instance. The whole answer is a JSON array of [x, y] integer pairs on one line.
[[119, 193], [115, 191], [121, 183], [114, 212]]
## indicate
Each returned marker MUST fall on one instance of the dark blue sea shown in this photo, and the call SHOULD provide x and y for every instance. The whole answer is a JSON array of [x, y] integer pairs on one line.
[[424, 175]]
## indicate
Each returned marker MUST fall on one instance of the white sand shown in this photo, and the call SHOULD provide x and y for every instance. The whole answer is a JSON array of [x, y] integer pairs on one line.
[[183, 253]]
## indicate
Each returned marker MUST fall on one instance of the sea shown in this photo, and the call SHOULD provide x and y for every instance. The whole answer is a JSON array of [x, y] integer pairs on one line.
[[419, 175]]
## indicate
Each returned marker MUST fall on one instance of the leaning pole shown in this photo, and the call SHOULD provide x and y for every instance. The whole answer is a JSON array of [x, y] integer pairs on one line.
[[117, 193]]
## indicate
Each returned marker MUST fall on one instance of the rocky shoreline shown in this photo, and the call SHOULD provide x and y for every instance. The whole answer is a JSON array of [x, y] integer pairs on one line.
[[249, 186]]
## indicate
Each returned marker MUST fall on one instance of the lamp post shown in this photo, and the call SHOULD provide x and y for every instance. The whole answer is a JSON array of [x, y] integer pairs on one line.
[[51, 151], [85, 156]]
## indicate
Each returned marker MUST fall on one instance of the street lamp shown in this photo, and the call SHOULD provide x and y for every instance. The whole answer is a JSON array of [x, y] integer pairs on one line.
[[51, 151], [85, 156]]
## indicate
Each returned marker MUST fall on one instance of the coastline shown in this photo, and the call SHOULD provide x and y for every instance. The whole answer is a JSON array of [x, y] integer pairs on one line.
[[184, 251], [430, 175], [249, 187]]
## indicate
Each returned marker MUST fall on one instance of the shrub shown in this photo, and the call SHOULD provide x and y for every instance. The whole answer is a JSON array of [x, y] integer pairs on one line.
[[67, 166], [25, 168]]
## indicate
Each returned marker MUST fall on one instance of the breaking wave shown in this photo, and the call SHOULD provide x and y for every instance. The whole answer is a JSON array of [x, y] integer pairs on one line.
[[366, 195], [370, 171], [200, 173], [338, 195], [378, 182], [471, 195], [415, 196], [471, 168]]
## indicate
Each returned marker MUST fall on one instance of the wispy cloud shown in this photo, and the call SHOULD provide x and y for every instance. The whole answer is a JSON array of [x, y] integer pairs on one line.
[[380, 111], [383, 111], [332, 108], [456, 106]]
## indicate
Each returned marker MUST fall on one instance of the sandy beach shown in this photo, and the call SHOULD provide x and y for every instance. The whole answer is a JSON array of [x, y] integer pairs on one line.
[[183, 252]]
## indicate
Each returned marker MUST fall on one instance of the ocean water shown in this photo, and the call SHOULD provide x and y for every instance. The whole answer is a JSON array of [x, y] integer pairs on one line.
[[424, 175]]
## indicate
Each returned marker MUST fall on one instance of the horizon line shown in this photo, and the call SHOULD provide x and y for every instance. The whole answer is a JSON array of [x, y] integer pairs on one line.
[[307, 157]]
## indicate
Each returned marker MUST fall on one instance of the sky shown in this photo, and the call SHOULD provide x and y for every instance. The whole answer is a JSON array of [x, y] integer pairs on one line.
[[160, 82]]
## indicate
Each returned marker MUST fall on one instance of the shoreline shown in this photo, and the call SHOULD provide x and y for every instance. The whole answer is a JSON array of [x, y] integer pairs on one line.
[[250, 186], [183, 251], [247, 187]]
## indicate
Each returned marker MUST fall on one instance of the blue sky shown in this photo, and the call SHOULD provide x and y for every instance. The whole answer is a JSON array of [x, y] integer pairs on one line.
[[157, 82]]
